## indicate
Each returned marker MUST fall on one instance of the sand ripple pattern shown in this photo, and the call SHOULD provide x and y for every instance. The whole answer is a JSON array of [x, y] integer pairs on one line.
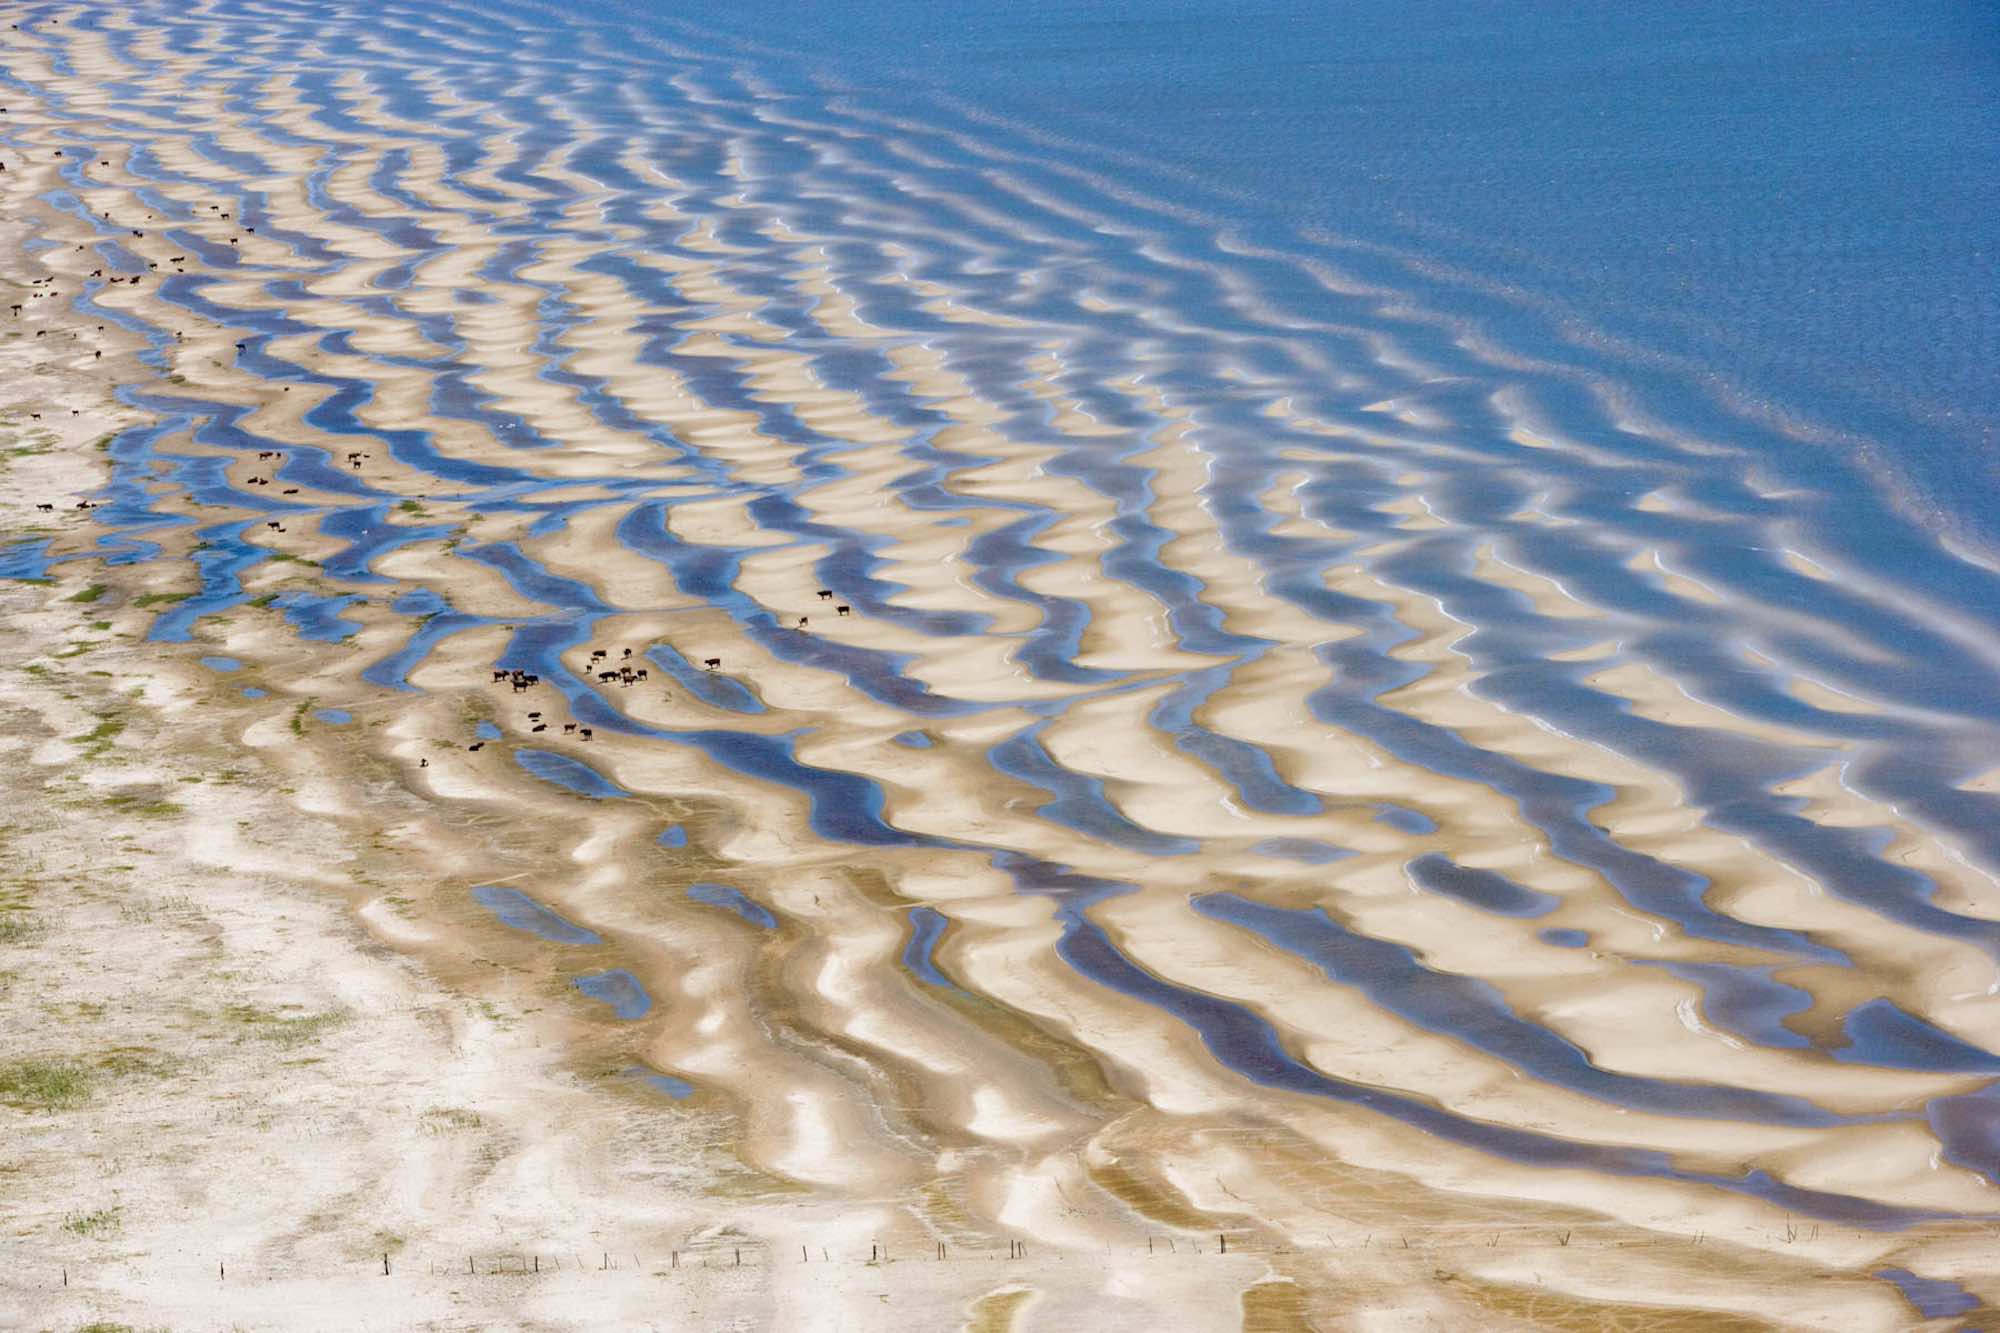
[[1243, 699]]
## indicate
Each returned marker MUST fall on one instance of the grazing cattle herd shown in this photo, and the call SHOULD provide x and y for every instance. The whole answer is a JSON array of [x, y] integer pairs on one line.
[[623, 673]]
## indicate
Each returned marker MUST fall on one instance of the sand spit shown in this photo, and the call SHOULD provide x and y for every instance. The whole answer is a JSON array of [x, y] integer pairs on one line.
[[1055, 869]]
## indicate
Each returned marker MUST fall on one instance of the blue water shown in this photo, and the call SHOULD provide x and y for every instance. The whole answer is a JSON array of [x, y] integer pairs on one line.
[[1934, 1298], [1477, 1014], [721, 895], [1734, 265], [927, 927], [338, 717], [1789, 190], [223, 664], [1481, 888], [573, 774], [1881, 1033], [517, 909], [25, 560], [678, 1089], [1306, 850], [625, 993]]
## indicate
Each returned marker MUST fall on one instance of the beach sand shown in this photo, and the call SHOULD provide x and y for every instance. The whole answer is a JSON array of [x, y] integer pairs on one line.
[[283, 1046]]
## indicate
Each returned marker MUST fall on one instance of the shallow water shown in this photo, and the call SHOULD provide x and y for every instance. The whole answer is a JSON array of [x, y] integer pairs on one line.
[[1934, 1298], [620, 989], [573, 774], [722, 895], [517, 909], [927, 927], [1533, 588]]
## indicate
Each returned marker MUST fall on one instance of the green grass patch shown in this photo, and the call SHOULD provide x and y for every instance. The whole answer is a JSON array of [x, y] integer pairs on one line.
[[160, 598], [299, 717], [98, 1224], [44, 1085], [450, 1119], [287, 1030], [124, 1061], [265, 600], [98, 739], [90, 594], [151, 809]]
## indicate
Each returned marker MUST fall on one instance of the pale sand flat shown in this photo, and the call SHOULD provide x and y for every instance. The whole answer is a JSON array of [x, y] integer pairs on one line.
[[1083, 1156]]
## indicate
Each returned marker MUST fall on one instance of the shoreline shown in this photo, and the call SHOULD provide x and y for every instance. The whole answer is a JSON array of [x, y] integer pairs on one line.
[[836, 1103]]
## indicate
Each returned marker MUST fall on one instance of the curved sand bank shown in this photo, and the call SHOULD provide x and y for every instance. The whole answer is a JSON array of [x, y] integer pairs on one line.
[[529, 409]]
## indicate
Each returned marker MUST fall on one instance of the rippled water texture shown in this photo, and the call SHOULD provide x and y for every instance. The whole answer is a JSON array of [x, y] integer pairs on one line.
[[1182, 636]]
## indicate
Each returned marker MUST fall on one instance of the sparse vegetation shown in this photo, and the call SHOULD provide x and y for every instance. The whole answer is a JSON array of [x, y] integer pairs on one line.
[[123, 1061], [285, 1030], [90, 594], [99, 738], [450, 1119], [99, 1224], [130, 804], [44, 1085], [145, 599]]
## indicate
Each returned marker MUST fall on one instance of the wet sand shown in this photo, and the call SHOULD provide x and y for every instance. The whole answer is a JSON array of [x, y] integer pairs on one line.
[[1259, 1009]]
